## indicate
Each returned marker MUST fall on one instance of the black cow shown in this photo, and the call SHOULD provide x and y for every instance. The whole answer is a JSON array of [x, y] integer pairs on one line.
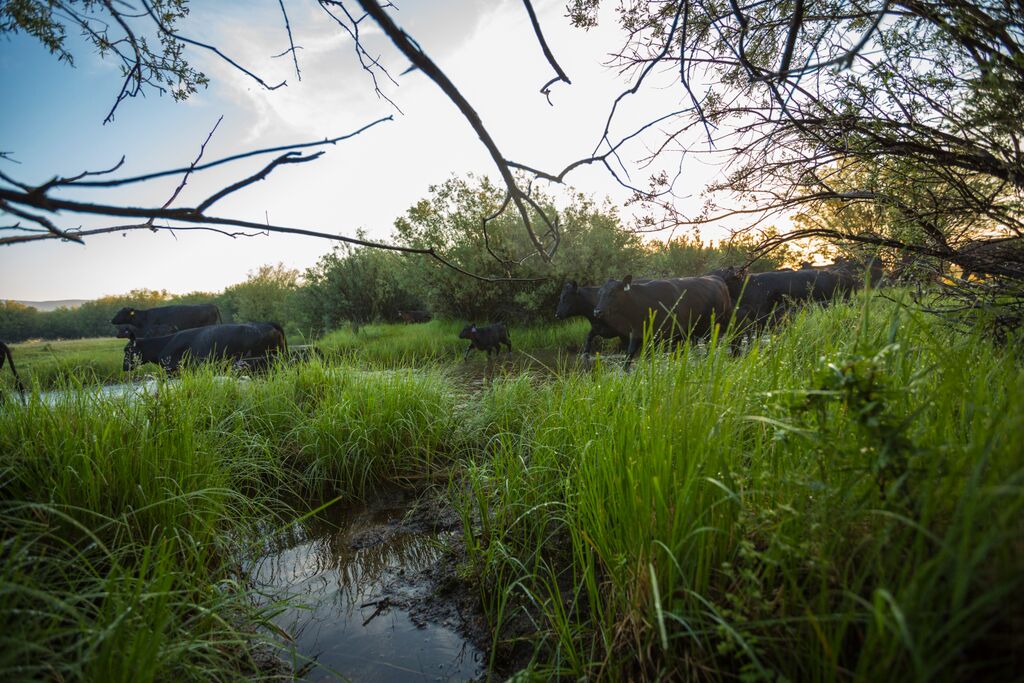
[[129, 331], [1005, 254], [164, 320], [237, 342], [851, 271], [414, 316], [489, 338], [760, 299], [681, 308], [5, 355], [576, 301]]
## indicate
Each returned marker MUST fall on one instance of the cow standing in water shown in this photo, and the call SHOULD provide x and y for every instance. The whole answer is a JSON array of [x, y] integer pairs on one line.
[[576, 301], [5, 356], [680, 308], [164, 320], [489, 338], [241, 342]]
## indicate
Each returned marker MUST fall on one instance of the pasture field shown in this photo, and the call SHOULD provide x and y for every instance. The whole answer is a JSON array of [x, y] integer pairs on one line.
[[843, 501], [49, 364]]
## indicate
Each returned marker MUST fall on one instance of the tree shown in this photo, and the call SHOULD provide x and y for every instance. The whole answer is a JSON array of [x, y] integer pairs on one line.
[[18, 322], [463, 218], [267, 295], [913, 108], [354, 284]]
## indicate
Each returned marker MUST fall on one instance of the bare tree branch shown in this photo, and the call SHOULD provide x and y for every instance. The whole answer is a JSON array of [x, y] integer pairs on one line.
[[192, 166], [287, 158], [195, 43], [560, 75], [291, 43], [234, 157], [419, 58]]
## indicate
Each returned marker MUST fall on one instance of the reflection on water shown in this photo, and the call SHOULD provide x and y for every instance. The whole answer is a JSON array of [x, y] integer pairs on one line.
[[147, 386], [127, 390], [350, 572]]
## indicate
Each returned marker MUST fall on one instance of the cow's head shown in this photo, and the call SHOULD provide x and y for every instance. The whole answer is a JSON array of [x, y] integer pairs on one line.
[[567, 299], [733, 278], [126, 316], [125, 331], [612, 295], [132, 354], [468, 332]]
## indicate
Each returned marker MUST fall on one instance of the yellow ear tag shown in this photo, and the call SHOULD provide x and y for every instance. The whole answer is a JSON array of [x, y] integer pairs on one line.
[[626, 288]]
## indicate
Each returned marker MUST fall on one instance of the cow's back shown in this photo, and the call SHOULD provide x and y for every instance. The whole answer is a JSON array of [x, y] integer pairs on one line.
[[679, 304], [183, 316]]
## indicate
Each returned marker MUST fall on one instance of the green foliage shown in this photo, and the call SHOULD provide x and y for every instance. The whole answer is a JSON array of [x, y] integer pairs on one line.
[[678, 522], [361, 285], [355, 284], [91, 319], [594, 247], [870, 398], [689, 255], [268, 294]]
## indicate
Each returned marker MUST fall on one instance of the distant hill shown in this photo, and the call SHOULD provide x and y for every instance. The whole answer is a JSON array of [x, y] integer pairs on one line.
[[53, 305]]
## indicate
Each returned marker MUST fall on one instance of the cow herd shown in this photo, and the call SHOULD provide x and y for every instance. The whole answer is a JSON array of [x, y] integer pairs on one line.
[[677, 309], [170, 335], [672, 309]]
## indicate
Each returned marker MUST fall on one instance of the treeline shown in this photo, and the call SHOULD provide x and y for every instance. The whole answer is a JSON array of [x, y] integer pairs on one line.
[[351, 285]]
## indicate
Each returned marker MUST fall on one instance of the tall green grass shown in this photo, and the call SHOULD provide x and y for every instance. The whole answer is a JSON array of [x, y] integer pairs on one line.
[[842, 501], [438, 340], [126, 521]]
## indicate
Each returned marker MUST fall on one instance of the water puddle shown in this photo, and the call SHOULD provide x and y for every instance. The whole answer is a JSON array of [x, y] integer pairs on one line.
[[128, 390], [358, 574]]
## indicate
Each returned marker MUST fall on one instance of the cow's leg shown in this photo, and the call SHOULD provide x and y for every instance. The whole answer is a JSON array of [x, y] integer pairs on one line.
[[589, 342], [635, 342], [508, 342], [465, 356]]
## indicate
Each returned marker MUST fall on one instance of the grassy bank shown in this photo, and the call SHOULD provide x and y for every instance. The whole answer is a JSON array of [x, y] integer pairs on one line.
[[126, 522], [843, 501]]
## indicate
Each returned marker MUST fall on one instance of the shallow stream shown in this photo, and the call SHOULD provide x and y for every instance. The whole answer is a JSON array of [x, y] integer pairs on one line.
[[359, 576]]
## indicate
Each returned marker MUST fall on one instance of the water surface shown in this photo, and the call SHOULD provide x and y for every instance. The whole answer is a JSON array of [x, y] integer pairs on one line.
[[356, 570]]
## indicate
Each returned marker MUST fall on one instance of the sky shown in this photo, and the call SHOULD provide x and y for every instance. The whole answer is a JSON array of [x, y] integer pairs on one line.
[[487, 49]]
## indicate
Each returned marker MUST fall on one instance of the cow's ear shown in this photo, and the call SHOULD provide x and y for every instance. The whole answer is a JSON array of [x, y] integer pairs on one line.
[[626, 282], [472, 327]]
